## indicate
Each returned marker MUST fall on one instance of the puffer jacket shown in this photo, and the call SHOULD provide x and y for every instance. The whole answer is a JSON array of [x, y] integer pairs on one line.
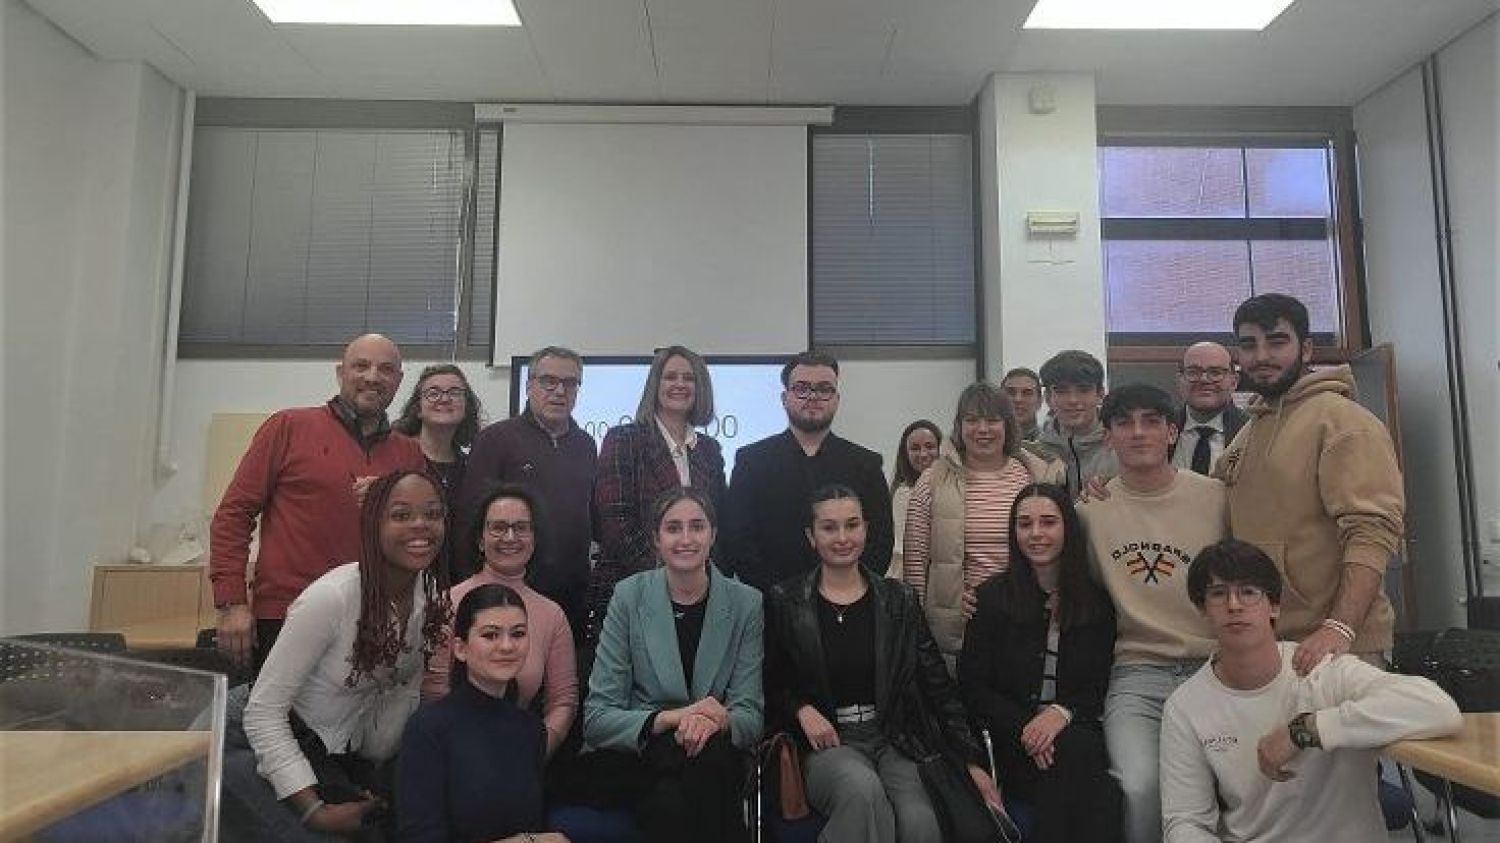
[[942, 596], [1084, 456]]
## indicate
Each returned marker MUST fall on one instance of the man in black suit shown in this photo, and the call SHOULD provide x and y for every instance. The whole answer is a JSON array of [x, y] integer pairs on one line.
[[1209, 418], [766, 512]]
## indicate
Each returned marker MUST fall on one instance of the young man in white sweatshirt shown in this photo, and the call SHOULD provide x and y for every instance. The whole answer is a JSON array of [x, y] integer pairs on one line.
[[1253, 752]]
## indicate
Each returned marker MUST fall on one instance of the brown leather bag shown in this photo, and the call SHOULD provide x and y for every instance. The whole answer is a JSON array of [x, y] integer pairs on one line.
[[781, 766]]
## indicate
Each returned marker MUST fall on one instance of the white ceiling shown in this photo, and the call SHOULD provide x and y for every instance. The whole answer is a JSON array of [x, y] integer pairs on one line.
[[846, 52]]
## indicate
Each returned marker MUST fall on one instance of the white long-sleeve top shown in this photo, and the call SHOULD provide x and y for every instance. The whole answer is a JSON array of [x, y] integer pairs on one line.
[[1208, 752], [305, 672]]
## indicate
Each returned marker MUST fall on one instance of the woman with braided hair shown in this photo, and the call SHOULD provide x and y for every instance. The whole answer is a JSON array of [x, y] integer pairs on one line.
[[325, 716]]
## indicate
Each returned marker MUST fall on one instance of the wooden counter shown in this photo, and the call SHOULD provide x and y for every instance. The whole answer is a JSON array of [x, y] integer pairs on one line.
[[1470, 757], [47, 776]]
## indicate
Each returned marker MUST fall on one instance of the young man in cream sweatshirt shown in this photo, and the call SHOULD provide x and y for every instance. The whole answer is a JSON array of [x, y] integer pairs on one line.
[[1253, 752], [1144, 530]]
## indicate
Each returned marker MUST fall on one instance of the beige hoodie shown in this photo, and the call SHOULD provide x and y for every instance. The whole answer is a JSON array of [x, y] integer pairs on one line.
[[1313, 482]]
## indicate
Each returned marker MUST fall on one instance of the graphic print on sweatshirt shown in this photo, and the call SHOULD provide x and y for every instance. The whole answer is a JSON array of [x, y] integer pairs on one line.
[[1151, 563]]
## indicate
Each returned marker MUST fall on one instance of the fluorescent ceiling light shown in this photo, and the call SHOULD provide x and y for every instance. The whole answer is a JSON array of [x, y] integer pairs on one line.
[[393, 12], [1154, 14]]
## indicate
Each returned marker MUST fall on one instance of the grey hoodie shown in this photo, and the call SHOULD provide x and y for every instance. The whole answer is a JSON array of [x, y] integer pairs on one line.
[[1085, 456]]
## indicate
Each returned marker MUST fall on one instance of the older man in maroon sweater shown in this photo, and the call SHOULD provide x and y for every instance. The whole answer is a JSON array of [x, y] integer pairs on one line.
[[297, 479]]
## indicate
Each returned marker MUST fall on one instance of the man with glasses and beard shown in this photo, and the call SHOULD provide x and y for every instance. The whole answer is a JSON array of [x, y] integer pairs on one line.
[[766, 507], [1313, 482]]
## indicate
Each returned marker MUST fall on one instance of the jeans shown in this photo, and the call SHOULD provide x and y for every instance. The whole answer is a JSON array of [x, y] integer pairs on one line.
[[1132, 731]]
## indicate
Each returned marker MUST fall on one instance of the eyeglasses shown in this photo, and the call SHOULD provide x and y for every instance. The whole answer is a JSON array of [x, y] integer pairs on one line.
[[804, 390], [1248, 595], [1199, 374], [498, 529], [433, 394], [550, 383]]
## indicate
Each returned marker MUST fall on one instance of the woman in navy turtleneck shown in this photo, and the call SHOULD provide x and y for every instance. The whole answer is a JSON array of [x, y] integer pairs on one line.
[[471, 763]]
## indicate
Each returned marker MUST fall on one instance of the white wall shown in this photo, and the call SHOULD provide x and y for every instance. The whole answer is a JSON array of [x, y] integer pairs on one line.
[[1469, 76], [90, 169], [1039, 297], [1406, 310], [1405, 306]]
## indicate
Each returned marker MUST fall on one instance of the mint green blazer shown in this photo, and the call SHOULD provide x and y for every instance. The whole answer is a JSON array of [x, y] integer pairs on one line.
[[638, 669]]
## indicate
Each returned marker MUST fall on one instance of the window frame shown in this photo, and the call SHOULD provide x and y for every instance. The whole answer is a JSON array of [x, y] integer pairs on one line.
[[314, 114], [903, 120], [1263, 126]]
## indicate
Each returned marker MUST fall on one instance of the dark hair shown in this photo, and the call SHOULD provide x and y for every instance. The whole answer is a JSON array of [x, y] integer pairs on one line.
[[487, 596], [671, 497], [987, 401], [702, 411], [410, 421], [1078, 599], [1266, 308], [808, 358], [1233, 561], [831, 492], [906, 473], [377, 637], [1022, 372], [1073, 367], [1122, 400], [533, 502], [551, 351]]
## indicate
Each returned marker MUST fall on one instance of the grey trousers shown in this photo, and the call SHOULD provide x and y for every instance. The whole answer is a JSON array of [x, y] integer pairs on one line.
[[869, 792]]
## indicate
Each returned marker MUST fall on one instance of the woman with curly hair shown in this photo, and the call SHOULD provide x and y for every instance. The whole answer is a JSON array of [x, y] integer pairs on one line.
[[325, 716]]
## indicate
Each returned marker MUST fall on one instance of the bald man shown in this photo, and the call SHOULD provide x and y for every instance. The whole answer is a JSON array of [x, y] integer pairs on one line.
[[1209, 418], [297, 481]]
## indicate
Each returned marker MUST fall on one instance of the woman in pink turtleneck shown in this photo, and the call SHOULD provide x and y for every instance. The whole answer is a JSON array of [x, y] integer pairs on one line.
[[507, 537]]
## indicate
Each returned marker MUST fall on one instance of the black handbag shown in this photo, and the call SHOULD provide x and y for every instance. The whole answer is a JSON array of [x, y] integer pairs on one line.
[[961, 810]]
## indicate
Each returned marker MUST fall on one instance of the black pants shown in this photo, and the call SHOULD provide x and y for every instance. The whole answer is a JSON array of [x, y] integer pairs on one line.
[[1076, 798], [266, 632], [675, 798]]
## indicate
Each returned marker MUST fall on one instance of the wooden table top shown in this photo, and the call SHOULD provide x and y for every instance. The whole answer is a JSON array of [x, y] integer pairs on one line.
[[1471, 757], [47, 776]]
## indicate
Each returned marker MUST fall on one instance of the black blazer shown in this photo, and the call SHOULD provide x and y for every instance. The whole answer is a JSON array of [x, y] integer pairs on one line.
[[765, 512], [918, 707], [1234, 419], [1000, 669]]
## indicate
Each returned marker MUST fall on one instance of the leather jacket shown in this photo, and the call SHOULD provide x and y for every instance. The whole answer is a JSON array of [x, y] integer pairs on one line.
[[917, 702]]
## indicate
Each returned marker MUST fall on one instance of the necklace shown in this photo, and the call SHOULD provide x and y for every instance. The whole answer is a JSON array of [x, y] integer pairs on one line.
[[840, 609]]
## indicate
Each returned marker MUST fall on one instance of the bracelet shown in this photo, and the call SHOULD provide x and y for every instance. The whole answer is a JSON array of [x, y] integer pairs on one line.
[[308, 812], [1340, 627], [1063, 710]]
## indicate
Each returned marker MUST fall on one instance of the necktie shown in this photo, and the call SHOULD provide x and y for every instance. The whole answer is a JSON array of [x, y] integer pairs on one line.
[[1201, 451]]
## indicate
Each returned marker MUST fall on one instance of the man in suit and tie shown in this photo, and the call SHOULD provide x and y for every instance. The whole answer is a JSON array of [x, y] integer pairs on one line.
[[1209, 419]]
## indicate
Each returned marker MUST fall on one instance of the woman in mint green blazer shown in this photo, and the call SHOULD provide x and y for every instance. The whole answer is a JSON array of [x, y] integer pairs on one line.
[[675, 694]]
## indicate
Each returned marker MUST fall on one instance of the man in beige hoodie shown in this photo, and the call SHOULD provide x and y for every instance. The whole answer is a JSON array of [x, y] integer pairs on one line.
[[1313, 482]]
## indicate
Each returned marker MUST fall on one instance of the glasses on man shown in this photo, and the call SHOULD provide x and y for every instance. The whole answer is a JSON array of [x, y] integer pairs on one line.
[[1201, 374], [821, 391], [1247, 595], [499, 529], [433, 394], [552, 383]]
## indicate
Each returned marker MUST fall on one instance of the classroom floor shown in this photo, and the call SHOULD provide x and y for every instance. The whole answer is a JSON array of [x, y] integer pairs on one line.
[[1471, 829]]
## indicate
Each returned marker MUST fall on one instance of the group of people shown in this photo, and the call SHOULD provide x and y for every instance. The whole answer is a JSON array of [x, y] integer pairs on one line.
[[1166, 623]]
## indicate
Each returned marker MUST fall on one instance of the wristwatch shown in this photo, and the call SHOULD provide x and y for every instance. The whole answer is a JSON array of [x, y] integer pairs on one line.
[[1303, 731]]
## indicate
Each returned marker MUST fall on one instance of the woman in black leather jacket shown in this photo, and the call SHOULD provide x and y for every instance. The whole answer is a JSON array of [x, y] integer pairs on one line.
[[1034, 668], [853, 672]]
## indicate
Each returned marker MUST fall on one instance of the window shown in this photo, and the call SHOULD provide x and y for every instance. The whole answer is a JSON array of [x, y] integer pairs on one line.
[[1193, 228], [892, 239], [301, 238]]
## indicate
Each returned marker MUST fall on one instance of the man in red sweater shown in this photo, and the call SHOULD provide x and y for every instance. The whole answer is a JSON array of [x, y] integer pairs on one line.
[[297, 479]]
